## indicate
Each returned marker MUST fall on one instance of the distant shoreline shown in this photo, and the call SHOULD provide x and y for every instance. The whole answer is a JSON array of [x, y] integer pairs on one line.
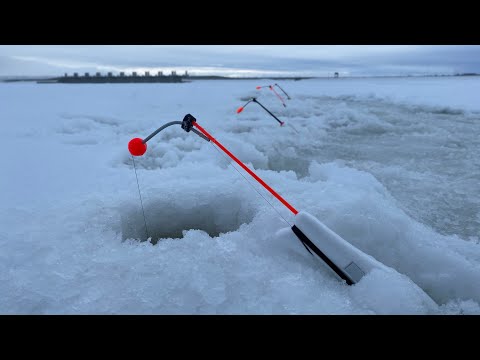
[[136, 79], [190, 78]]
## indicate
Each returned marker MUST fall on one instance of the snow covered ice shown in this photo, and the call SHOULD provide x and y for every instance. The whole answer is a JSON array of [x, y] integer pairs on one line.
[[390, 164]]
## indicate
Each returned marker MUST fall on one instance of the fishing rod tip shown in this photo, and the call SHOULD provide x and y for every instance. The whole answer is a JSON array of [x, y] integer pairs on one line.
[[137, 147], [240, 109], [259, 87]]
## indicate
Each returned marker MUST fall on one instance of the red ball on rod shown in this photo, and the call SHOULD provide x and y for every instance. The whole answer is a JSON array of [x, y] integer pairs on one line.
[[137, 147]]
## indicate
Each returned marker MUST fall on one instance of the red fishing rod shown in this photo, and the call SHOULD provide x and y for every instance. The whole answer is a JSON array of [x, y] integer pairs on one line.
[[240, 109], [288, 97], [346, 261], [138, 147], [278, 96]]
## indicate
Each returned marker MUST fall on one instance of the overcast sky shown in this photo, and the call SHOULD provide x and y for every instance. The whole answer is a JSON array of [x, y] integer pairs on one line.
[[241, 60]]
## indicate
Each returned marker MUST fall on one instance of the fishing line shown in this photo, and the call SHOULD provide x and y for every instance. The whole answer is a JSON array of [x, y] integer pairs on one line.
[[139, 193], [253, 187]]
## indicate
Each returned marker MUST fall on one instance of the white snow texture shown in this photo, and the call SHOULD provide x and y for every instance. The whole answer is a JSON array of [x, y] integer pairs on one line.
[[389, 164]]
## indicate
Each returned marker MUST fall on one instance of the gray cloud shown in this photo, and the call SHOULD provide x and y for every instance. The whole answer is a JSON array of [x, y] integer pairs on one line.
[[312, 60]]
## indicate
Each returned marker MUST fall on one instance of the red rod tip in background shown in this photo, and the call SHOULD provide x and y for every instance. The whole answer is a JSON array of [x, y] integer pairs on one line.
[[240, 109], [259, 87], [137, 147]]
